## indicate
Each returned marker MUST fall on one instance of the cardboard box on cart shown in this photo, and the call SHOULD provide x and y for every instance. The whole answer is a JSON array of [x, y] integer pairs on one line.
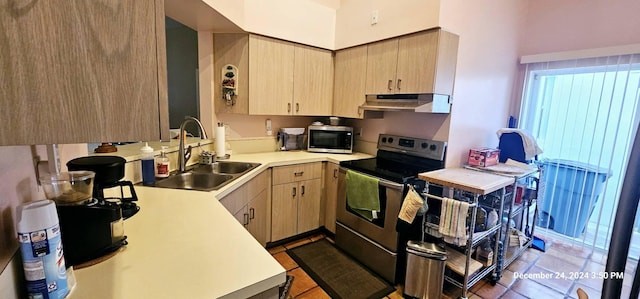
[[483, 157]]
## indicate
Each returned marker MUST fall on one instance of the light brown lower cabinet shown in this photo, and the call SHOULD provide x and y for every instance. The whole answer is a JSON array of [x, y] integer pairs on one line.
[[296, 199], [249, 204]]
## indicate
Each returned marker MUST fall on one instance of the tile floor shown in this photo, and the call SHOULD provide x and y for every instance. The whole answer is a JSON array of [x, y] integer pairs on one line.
[[559, 258]]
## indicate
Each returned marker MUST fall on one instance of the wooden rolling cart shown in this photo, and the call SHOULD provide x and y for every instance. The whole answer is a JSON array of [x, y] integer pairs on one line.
[[473, 187], [528, 181]]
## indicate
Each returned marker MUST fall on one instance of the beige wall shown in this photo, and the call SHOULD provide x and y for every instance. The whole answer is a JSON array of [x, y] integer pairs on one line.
[[554, 26], [302, 21], [353, 19], [486, 72]]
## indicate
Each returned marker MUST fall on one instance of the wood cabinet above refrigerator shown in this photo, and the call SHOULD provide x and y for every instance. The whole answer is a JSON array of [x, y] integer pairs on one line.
[[82, 71]]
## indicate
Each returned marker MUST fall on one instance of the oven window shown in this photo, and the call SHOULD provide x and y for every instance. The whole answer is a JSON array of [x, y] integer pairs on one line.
[[382, 194], [330, 139]]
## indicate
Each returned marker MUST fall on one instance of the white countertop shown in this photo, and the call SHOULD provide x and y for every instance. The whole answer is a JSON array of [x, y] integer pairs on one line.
[[185, 244]]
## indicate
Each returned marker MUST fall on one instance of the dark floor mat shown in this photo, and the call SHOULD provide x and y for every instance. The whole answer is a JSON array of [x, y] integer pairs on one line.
[[337, 274]]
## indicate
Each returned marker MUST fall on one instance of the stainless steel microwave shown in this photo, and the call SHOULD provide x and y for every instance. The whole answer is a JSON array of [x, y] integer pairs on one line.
[[330, 139]]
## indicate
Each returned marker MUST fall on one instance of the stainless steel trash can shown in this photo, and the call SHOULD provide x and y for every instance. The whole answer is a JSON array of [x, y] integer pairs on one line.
[[425, 270]]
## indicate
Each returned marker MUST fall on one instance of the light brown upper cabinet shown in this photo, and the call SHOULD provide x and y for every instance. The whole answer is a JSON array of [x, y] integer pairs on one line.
[[270, 76], [82, 71], [422, 62], [289, 79], [349, 82], [275, 77]]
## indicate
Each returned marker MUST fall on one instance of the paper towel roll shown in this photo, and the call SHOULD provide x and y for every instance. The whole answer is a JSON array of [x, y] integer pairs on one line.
[[220, 142]]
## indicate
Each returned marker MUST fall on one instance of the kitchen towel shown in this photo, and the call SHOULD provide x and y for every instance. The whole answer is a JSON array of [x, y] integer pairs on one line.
[[362, 194], [411, 205], [453, 221], [531, 148], [220, 141]]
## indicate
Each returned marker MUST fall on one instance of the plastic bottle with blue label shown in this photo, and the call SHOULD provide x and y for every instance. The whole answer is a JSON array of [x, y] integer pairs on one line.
[[41, 248]]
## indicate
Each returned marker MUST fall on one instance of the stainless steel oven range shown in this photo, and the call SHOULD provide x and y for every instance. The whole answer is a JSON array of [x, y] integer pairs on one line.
[[377, 243]]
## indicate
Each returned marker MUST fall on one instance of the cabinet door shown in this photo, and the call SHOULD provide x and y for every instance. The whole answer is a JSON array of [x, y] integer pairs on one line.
[[284, 209], [349, 82], [313, 81], [270, 76], [258, 225], [82, 71], [231, 48], [417, 62], [242, 216], [309, 200], [331, 196], [382, 58]]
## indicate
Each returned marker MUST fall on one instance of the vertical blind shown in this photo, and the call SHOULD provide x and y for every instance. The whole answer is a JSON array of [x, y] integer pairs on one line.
[[584, 114]]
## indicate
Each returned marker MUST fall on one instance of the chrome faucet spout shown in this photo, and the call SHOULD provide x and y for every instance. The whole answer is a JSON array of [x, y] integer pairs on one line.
[[182, 156]]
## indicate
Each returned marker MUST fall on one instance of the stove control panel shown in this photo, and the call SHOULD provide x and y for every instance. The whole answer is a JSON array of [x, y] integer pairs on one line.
[[425, 148]]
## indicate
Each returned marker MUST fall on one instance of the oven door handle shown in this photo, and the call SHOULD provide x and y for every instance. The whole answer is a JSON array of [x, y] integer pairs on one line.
[[382, 182]]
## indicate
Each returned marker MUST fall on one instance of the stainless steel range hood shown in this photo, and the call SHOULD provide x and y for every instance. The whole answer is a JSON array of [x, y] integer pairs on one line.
[[425, 103]]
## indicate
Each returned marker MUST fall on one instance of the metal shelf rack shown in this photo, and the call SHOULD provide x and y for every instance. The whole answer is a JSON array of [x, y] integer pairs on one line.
[[477, 184]]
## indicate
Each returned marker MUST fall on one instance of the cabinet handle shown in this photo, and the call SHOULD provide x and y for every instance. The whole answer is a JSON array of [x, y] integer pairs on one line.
[[297, 107], [299, 173], [398, 84], [246, 219], [302, 190], [252, 213], [390, 85], [294, 192], [335, 173], [288, 107]]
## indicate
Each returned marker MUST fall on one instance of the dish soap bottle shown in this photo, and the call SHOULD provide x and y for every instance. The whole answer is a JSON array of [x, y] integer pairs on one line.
[[148, 172], [162, 164]]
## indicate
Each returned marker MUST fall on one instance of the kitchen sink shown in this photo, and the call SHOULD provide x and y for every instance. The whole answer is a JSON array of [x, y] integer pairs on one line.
[[207, 177], [225, 167]]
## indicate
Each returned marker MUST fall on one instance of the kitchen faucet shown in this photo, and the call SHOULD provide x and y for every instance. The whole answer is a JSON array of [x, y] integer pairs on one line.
[[182, 156]]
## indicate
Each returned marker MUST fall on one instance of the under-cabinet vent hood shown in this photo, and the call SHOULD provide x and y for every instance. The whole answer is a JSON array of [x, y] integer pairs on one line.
[[426, 103]]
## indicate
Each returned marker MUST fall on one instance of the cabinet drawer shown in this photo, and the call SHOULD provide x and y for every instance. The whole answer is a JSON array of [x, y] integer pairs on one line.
[[296, 173]]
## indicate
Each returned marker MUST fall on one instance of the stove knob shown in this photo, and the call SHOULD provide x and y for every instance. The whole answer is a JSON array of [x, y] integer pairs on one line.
[[424, 145], [433, 147], [384, 139], [390, 140]]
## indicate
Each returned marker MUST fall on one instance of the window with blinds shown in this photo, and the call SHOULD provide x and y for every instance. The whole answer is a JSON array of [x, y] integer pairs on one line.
[[584, 114]]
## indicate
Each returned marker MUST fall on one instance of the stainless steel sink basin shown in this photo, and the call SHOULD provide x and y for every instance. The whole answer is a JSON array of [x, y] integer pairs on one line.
[[195, 181], [225, 167], [207, 177]]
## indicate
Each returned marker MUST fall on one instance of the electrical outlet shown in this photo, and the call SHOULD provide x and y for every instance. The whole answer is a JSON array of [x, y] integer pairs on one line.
[[357, 131], [374, 17], [226, 129], [268, 127]]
